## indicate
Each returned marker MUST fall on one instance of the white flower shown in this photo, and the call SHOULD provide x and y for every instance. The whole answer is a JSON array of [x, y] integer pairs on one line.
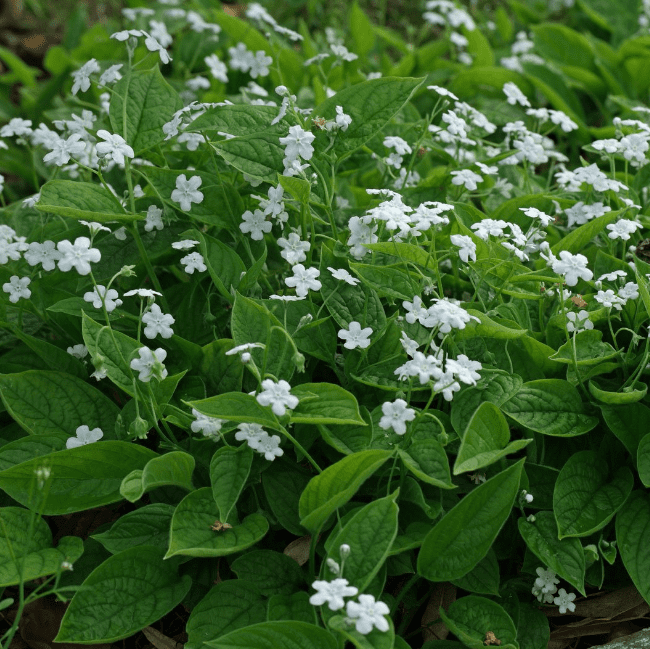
[[394, 142], [629, 292], [293, 249], [466, 245], [259, 64], [150, 364], [355, 336], [42, 253], [298, 143], [332, 592], [396, 415], [154, 46], [94, 227], [368, 614], [410, 346], [489, 227], [63, 150], [142, 292], [99, 292], [443, 92], [187, 192], [609, 299], [157, 323], [572, 267], [16, 126], [209, 426], [185, 244], [255, 223], [78, 351], [194, 261], [563, 120], [467, 178], [564, 601], [84, 436], [82, 76], [110, 75], [343, 275], [514, 95], [251, 433], [78, 254], [545, 584], [154, 219], [578, 321], [286, 298], [303, 280], [193, 140], [17, 288], [278, 396], [269, 446], [113, 148], [622, 229], [534, 213], [218, 68]]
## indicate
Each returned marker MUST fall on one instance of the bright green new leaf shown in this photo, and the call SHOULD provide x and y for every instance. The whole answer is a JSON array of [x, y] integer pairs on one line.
[[465, 534], [228, 606], [632, 524], [148, 525], [173, 468], [470, 618], [370, 533], [551, 407], [589, 349], [631, 394], [389, 281], [81, 478], [330, 490], [361, 30], [141, 103], [45, 403], [271, 572], [562, 44], [332, 405], [229, 470], [79, 200], [565, 557], [34, 553], [148, 589], [277, 635], [587, 494], [486, 440], [192, 533]]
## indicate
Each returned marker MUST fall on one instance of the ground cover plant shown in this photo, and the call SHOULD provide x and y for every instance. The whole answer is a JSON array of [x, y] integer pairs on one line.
[[337, 337]]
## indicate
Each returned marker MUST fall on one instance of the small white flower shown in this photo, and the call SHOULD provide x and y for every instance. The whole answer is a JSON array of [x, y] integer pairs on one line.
[[84, 436], [467, 247], [572, 267], [194, 261], [368, 614], [187, 192], [94, 227], [609, 299], [278, 396], [251, 434], [467, 178], [622, 229], [255, 223], [82, 76], [157, 323], [564, 601], [114, 147], [62, 150], [17, 288], [209, 426], [154, 219], [99, 293], [293, 249], [355, 336], [269, 446], [443, 92], [343, 275], [396, 414], [578, 321], [142, 292], [78, 255], [78, 351], [303, 280], [110, 75], [534, 213], [514, 95], [332, 592], [150, 364], [185, 244], [298, 143]]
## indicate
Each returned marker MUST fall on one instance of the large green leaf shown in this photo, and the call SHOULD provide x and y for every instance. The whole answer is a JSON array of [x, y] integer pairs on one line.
[[192, 532], [271, 572], [283, 482], [427, 460], [277, 635], [237, 120], [259, 155], [30, 447], [236, 406], [229, 470], [171, 469], [45, 402], [465, 534], [332, 405], [587, 494], [81, 478], [130, 590], [483, 578], [331, 489], [589, 349]]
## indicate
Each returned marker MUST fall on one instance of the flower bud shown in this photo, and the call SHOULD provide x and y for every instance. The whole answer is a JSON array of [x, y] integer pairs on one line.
[[344, 550], [139, 428]]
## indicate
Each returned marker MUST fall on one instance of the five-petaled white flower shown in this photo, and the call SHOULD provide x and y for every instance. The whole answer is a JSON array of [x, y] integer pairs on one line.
[[113, 148], [467, 178], [514, 95], [368, 614], [157, 323], [564, 601], [467, 247], [303, 280], [332, 592], [209, 426], [78, 351], [396, 414], [573, 267], [17, 288], [269, 446], [578, 321], [293, 249], [343, 275], [62, 150], [355, 336], [278, 396], [622, 229], [78, 254], [255, 223], [193, 261], [154, 219], [150, 364], [110, 298], [187, 192], [82, 76], [84, 436], [298, 143]]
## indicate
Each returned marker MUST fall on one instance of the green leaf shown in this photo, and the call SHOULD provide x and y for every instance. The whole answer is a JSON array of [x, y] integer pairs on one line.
[[33, 553], [427, 460], [192, 534], [486, 440], [533, 630], [79, 200], [620, 18], [586, 495], [370, 534], [271, 572], [465, 534], [236, 406], [277, 635], [230, 605], [376, 639], [483, 578], [407, 252], [229, 470], [30, 447], [371, 105], [283, 482], [173, 468], [141, 103], [388, 281], [148, 589], [292, 607], [632, 525], [624, 420], [332, 405], [259, 155], [45, 403], [336, 485], [643, 460], [470, 618], [361, 30], [148, 525], [578, 239], [488, 328], [631, 394], [589, 348], [237, 120], [551, 407], [81, 478], [565, 557], [224, 264], [560, 43]]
